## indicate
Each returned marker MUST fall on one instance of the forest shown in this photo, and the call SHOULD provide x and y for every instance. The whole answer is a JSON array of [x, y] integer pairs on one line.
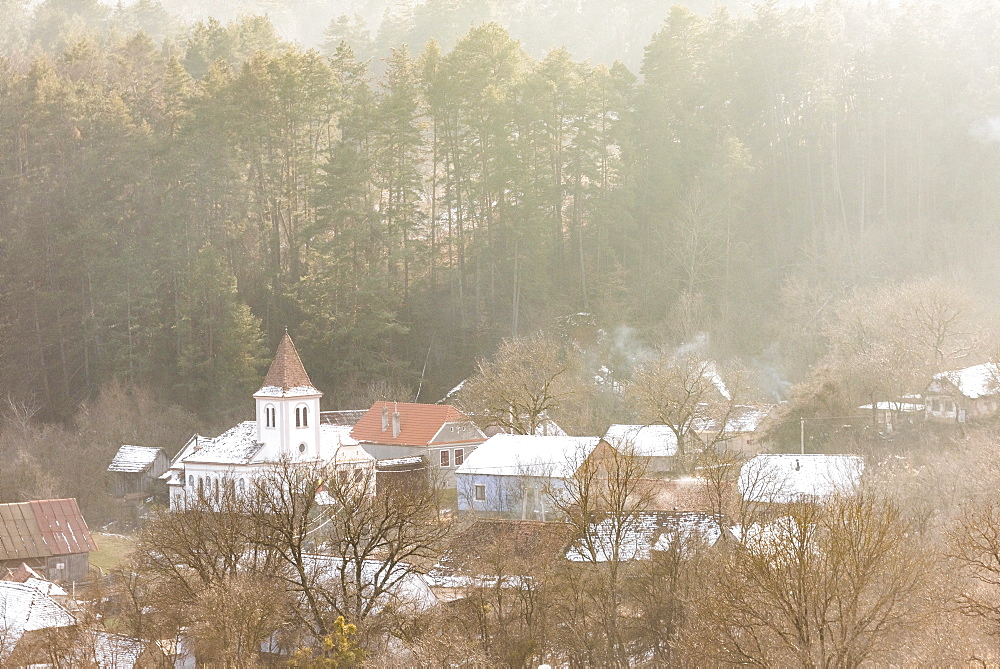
[[174, 195]]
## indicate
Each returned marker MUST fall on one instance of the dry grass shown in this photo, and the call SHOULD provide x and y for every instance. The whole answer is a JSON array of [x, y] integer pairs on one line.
[[111, 550]]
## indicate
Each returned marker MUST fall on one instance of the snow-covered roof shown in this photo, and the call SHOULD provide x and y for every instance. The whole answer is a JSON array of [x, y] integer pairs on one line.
[[46, 587], [24, 608], [545, 428], [397, 462], [643, 533], [644, 440], [133, 459], [116, 650], [528, 455], [783, 479], [743, 419], [976, 381], [237, 445], [402, 587]]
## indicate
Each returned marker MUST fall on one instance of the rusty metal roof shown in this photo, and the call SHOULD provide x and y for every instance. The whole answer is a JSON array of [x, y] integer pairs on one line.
[[43, 528]]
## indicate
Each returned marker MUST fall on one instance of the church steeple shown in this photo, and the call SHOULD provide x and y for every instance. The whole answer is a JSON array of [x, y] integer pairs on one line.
[[288, 406], [286, 371]]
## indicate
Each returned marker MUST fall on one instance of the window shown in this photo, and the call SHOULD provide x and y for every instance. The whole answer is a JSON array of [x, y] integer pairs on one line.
[[445, 458], [935, 405], [201, 486], [269, 416], [480, 492], [949, 406], [358, 473], [191, 480], [241, 485], [302, 416], [302, 448], [459, 456]]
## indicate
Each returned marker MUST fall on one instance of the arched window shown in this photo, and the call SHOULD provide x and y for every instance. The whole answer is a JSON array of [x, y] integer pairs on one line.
[[201, 486], [191, 480], [269, 416], [241, 485], [215, 487], [302, 416]]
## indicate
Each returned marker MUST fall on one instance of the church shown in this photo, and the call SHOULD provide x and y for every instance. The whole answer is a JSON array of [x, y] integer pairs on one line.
[[287, 426]]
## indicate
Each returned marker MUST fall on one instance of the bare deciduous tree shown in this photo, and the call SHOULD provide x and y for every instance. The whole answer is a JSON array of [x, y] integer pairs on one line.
[[526, 380], [832, 585], [683, 392]]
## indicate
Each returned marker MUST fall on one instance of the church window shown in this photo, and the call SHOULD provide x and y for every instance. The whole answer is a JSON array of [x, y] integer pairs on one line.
[[302, 448], [242, 485], [302, 416], [269, 416], [191, 480], [201, 486]]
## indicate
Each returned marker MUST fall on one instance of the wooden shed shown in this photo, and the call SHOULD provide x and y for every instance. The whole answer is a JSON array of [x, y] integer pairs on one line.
[[136, 467]]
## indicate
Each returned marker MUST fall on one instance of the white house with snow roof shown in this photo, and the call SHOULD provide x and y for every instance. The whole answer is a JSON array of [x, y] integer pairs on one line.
[[516, 475], [963, 394], [287, 426]]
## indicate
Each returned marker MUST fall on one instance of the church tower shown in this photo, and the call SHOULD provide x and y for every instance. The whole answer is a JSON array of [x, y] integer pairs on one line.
[[288, 407]]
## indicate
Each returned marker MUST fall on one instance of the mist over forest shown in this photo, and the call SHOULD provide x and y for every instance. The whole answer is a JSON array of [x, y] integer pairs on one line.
[[406, 185], [617, 213]]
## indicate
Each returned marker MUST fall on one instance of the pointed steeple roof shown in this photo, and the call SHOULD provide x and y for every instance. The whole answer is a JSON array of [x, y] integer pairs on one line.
[[287, 373]]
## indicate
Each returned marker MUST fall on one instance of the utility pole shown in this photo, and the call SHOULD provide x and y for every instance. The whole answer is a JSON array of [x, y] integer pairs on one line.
[[802, 435]]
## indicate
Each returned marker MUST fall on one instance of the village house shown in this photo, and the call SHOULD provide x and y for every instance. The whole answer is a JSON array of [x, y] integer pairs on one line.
[[288, 426], [656, 444], [889, 416], [134, 469], [38, 628], [439, 433], [963, 394], [515, 475], [28, 619], [785, 478], [49, 536], [744, 429]]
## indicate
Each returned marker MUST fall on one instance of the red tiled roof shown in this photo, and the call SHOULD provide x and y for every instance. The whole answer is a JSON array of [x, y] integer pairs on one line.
[[286, 369], [418, 423], [43, 528]]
